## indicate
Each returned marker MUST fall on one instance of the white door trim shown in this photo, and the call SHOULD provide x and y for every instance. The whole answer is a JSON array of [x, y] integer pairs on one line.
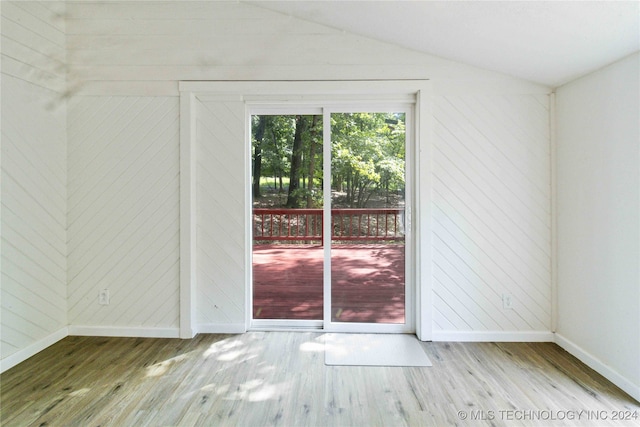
[[309, 92]]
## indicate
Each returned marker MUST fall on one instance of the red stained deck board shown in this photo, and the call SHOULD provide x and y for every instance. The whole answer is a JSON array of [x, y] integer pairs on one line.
[[368, 282]]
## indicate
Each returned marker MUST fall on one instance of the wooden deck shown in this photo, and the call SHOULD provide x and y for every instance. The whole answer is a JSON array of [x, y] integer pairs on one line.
[[368, 282]]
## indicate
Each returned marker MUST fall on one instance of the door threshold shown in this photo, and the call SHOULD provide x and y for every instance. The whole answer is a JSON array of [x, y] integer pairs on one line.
[[286, 325]]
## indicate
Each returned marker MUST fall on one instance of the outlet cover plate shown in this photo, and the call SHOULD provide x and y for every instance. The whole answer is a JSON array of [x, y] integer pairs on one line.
[[103, 298]]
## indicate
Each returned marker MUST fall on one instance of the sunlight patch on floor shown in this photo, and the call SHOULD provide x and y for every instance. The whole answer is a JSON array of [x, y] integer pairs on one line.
[[160, 368]]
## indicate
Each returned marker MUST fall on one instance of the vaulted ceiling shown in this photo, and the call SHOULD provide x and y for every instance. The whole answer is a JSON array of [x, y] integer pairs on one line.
[[547, 42]]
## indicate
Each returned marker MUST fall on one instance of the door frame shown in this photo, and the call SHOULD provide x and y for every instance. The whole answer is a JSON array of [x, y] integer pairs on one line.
[[263, 93], [325, 110]]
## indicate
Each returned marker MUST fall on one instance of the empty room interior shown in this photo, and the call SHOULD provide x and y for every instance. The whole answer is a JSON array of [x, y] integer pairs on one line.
[[202, 201]]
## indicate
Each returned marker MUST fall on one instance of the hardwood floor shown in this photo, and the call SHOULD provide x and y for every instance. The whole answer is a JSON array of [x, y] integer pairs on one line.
[[280, 379]]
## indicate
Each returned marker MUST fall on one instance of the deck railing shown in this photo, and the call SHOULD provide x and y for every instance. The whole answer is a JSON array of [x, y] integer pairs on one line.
[[305, 225]]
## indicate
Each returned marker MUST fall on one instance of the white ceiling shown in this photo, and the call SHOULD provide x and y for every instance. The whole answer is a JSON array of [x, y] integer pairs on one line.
[[548, 42]]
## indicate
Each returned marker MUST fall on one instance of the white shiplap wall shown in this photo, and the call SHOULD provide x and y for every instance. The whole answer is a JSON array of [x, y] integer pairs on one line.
[[34, 42], [490, 177], [491, 213], [220, 198], [124, 212], [34, 178]]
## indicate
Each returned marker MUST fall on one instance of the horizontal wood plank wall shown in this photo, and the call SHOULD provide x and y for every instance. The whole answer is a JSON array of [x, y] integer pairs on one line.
[[220, 216], [491, 213], [145, 44], [124, 211], [34, 194]]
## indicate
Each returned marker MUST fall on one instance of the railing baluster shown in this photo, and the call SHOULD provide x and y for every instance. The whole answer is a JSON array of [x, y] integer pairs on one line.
[[386, 224], [275, 221], [395, 223], [350, 225], [306, 225]]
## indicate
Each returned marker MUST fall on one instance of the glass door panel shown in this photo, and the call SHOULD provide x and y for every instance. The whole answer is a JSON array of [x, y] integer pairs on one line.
[[367, 255], [287, 254]]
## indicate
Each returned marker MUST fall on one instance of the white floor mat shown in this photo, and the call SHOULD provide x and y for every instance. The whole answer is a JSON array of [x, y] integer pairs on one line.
[[374, 350]]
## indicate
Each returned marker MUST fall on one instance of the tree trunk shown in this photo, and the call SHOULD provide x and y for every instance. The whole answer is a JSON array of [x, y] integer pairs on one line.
[[337, 182], [257, 156], [312, 162], [296, 163], [277, 168]]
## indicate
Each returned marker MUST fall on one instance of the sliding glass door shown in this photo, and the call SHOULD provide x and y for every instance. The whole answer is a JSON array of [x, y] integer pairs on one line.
[[366, 182], [330, 230], [367, 217], [288, 262]]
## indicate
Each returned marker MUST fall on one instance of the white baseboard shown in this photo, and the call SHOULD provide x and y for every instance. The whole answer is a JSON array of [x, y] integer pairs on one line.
[[597, 365], [118, 331], [35, 348], [221, 328], [493, 336]]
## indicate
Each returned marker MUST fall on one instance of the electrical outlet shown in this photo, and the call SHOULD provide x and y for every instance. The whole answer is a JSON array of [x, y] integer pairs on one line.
[[507, 304], [103, 297]]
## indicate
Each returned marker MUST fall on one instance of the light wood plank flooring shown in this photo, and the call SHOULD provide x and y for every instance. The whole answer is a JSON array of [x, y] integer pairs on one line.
[[280, 379]]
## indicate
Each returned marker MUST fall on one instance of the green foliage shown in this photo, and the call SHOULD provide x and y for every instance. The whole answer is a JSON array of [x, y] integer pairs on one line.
[[303, 195], [276, 144], [368, 155]]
